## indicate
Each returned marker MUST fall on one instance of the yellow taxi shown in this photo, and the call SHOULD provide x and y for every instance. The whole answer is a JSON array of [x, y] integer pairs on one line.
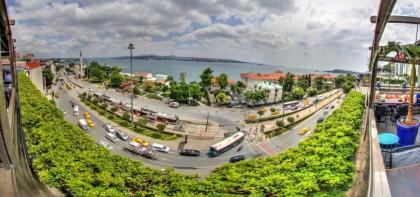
[[138, 140], [142, 142], [303, 131], [86, 114], [145, 143], [90, 123]]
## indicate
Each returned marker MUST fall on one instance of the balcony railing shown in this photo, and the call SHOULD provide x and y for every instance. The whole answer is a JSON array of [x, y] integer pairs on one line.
[[378, 181]]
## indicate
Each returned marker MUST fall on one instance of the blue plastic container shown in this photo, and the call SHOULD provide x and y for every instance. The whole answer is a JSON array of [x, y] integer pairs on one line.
[[407, 134]]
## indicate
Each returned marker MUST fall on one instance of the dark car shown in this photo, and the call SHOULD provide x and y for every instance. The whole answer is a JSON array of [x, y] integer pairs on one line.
[[321, 119], [236, 158], [332, 107], [122, 135], [190, 152]]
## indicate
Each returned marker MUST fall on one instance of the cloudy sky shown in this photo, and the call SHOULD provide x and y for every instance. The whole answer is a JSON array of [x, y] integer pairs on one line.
[[319, 34]]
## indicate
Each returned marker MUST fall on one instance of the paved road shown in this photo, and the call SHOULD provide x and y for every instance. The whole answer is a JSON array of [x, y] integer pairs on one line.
[[230, 118], [201, 165]]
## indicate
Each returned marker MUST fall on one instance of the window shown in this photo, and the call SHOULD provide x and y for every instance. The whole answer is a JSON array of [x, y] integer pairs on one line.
[[7, 83]]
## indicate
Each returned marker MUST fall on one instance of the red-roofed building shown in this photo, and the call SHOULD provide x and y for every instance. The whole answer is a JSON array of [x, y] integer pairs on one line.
[[215, 86], [145, 75]]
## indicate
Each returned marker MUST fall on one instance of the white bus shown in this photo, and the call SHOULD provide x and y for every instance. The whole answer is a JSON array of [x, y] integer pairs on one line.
[[226, 144]]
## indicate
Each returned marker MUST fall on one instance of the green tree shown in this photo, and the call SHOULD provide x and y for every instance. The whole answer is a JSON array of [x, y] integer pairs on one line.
[[48, 76], [249, 96], [298, 93], [126, 116], [290, 119], [195, 91], [280, 123], [206, 77], [222, 81], [183, 77], [222, 97], [312, 91], [319, 83], [136, 90], [114, 109], [339, 81], [303, 83], [104, 106], [160, 127], [347, 87], [142, 122], [260, 95], [116, 80], [287, 82]]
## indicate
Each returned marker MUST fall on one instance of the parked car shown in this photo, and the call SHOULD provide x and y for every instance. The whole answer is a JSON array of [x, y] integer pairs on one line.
[[237, 158], [122, 135], [111, 137], [168, 100], [160, 147], [174, 104], [86, 114], [90, 123], [332, 107], [109, 128], [190, 152], [105, 144], [64, 112], [321, 119], [326, 111], [303, 131]]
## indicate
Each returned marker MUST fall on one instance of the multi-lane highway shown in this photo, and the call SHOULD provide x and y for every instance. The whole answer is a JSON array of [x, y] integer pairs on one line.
[[202, 164]]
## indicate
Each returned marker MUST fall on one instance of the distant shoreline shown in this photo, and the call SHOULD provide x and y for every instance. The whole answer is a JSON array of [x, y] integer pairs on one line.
[[186, 59]]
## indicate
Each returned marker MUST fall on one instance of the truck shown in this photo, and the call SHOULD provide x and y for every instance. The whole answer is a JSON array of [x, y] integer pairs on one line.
[[83, 124], [136, 148]]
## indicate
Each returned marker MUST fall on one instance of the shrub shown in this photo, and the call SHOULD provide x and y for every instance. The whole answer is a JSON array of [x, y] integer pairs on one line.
[[126, 116], [114, 109], [262, 111], [104, 106], [251, 117], [280, 123], [273, 109], [95, 101], [102, 112], [290, 119], [160, 126]]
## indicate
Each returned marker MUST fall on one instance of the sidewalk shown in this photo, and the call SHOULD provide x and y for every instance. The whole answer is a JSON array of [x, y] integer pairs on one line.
[[271, 125]]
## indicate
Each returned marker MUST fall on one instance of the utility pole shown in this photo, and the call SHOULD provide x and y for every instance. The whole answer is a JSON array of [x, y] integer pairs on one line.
[[207, 123], [131, 47]]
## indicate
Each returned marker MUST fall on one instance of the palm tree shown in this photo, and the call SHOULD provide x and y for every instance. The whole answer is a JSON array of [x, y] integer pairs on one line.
[[410, 54]]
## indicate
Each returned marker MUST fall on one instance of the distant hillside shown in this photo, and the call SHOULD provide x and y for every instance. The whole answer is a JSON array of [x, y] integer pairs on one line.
[[341, 71], [176, 58]]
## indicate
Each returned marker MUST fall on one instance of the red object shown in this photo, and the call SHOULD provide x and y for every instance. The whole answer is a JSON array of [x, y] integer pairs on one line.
[[399, 56]]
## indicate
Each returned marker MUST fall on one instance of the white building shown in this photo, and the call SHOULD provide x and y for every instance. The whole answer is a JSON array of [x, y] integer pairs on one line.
[[161, 77], [274, 91]]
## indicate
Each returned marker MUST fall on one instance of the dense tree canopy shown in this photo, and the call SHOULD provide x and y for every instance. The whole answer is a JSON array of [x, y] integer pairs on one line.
[[298, 93], [222, 80]]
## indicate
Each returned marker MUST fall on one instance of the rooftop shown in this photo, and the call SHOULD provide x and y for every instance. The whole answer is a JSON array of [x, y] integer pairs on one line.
[[265, 76]]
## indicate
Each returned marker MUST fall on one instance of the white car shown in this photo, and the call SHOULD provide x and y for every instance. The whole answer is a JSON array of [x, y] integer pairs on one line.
[[109, 128], [160, 147], [105, 144], [111, 137]]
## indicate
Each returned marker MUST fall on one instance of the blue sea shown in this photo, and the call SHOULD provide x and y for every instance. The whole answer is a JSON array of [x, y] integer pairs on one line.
[[193, 69]]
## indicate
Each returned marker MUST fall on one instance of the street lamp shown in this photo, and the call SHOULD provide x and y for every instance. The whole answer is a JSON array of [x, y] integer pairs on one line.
[[131, 47]]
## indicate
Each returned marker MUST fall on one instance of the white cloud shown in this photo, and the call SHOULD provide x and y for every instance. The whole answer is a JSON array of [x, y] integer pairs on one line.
[[322, 33]]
